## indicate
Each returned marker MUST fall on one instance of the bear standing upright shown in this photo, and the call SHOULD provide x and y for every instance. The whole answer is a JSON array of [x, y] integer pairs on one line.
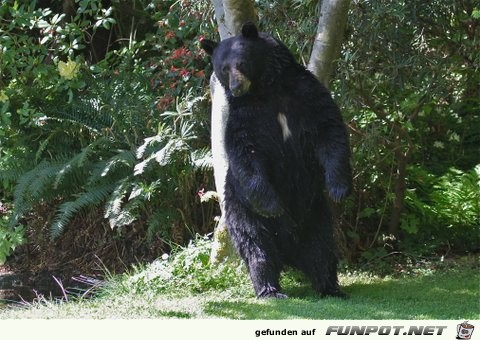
[[285, 141]]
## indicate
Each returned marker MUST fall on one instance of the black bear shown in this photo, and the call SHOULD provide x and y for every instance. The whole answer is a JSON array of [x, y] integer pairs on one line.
[[285, 142]]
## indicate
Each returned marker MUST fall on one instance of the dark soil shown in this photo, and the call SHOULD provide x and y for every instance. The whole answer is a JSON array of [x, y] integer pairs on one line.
[[88, 248]]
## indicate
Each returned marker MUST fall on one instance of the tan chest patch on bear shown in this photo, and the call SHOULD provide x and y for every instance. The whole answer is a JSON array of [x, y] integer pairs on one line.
[[282, 120]]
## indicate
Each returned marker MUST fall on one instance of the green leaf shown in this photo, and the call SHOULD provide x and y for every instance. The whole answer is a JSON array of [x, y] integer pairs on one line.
[[476, 13]]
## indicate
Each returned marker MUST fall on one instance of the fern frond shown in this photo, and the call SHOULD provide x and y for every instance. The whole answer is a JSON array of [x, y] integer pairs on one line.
[[113, 208], [202, 159], [164, 156], [116, 167], [87, 152], [124, 157], [32, 186], [68, 209], [85, 113], [43, 146], [123, 218], [12, 169], [164, 133], [187, 131], [127, 215], [173, 146], [79, 160]]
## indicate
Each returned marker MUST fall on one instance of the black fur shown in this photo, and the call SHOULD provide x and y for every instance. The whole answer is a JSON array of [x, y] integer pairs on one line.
[[276, 209]]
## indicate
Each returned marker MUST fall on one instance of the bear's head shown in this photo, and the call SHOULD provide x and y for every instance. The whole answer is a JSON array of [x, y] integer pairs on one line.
[[239, 62]]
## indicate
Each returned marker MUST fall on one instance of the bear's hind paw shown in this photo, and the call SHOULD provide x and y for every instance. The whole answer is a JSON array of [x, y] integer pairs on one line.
[[335, 292], [271, 292]]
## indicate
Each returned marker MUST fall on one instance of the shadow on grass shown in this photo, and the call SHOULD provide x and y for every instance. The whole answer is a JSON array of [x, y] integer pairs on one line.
[[174, 314], [453, 295]]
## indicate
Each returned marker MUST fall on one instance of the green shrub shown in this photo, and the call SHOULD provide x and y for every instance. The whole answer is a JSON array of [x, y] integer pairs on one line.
[[118, 165], [9, 238], [126, 128], [128, 133], [413, 119], [445, 210], [188, 269]]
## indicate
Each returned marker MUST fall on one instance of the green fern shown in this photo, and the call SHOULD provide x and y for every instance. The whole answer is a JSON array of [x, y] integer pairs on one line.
[[456, 197], [79, 160], [124, 158], [97, 151], [32, 187], [85, 114], [202, 159], [114, 211], [111, 167], [68, 209]]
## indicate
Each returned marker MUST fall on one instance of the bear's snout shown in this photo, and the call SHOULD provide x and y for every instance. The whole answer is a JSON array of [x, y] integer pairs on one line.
[[238, 83]]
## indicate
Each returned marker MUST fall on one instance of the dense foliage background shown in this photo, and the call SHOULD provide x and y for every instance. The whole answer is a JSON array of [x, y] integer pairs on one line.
[[104, 126]]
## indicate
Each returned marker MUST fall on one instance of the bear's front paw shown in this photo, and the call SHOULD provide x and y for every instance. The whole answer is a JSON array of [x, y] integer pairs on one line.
[[338, 191]]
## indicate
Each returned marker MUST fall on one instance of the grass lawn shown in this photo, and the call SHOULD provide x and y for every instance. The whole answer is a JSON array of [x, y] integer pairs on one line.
[[185, 286], [439, 296]]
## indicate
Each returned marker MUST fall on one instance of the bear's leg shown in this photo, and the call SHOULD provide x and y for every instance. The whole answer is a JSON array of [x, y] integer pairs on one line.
[[264, 272], [256, 247], [258, 253], [319, 262], [318, 257]]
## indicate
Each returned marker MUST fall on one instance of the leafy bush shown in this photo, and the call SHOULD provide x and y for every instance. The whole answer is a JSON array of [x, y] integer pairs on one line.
[[449, 205], [114, 167], [128, 133], [413, 119], [9, 238], [108, 107], [188, 269]]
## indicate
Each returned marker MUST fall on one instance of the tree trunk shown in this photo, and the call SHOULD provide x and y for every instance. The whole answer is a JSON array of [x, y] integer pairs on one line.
[[401, 158], [329, 38], [220, 17], [237, 13], [230, 15], [400, 188]]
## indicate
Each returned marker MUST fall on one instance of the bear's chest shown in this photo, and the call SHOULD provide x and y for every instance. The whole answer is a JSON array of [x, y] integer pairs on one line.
[[261, 129], [270, 129]]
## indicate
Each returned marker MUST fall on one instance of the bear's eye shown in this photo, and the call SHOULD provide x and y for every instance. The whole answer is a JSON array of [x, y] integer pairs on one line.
[[241, 65]]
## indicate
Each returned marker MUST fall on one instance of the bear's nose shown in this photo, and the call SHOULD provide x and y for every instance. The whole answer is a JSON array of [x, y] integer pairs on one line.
[[238, 84], [235, 86], [237, 91]]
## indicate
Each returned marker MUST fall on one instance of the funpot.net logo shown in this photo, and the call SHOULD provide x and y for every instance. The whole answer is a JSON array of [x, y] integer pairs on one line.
[[465, 331]]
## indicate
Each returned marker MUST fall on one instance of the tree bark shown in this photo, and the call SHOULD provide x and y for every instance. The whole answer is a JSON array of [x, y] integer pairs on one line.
[[220, 18], [402, 152], [329, 38], [237, 13], [400, 189], [221, 246], [230, 16]]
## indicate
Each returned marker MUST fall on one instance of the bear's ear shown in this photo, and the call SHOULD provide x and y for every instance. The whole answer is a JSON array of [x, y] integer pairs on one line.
[[208, 46], [249, 30]]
